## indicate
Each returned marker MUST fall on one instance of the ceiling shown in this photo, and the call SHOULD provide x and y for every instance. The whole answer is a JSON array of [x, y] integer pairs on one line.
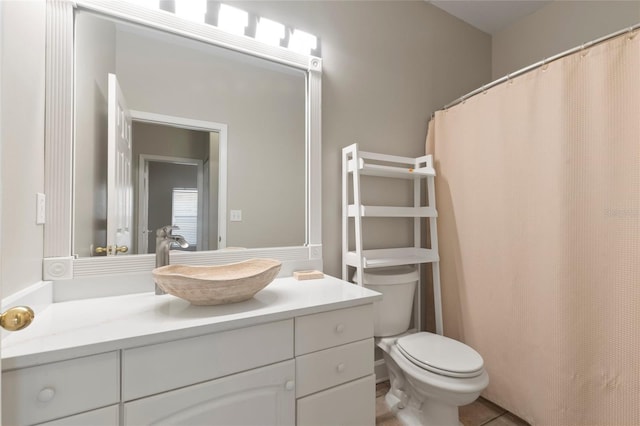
[[489, 16]]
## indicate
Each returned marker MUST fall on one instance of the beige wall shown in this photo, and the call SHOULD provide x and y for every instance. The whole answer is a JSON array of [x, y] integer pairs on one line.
[[22, 130], [558, 27], [387, 65]]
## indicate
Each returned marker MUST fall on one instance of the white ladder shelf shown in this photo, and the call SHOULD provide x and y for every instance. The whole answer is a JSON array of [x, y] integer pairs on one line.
[[357, 163]]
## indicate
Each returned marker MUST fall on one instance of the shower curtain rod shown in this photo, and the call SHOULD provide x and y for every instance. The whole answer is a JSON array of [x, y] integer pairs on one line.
[[538, 65]]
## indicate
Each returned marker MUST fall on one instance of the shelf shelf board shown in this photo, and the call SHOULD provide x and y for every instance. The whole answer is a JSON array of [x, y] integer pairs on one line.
[[390, 171], [392, 211], [393, 257]]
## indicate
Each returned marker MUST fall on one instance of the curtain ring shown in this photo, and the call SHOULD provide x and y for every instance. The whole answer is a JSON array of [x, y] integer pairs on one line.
[[583, 49], [509, 79], [545, 65], [484, 90], [631, 34]]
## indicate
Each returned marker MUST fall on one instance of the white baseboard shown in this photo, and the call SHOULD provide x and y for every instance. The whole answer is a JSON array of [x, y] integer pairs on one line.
[[380, 369]]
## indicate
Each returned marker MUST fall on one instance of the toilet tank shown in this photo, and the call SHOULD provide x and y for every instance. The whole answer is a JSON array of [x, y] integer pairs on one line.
[[392, 315]]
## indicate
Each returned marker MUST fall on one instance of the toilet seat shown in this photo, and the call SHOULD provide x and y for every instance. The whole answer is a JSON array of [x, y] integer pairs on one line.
[[440, 355]]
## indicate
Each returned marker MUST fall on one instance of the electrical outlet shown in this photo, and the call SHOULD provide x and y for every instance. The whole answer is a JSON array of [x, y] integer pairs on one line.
[[236, 216], [40, 208]]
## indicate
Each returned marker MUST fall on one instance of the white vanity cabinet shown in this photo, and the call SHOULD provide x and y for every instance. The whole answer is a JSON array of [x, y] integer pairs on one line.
[[301, 354]]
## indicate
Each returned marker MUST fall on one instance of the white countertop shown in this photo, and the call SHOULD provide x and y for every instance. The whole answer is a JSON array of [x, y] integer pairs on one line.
[[89, 326]]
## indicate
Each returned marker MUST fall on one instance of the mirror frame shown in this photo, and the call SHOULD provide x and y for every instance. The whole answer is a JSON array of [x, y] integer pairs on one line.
[[58, 262]]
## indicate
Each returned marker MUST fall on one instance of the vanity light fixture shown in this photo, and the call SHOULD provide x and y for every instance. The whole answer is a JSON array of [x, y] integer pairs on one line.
[[236, 21], [232, 19], [149, 4], [270, 32], [302, 42], [193, 10]]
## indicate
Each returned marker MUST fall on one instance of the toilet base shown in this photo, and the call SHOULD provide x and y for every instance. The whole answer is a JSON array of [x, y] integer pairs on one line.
[[431, 413]]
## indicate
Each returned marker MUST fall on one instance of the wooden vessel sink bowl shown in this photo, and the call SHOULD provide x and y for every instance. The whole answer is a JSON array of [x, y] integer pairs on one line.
[[217, 285]]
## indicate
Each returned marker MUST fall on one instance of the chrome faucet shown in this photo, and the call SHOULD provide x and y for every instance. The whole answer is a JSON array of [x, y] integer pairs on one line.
[[164, 240]]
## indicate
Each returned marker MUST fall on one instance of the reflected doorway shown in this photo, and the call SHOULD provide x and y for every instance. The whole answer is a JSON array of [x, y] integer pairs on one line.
[[180, 167]]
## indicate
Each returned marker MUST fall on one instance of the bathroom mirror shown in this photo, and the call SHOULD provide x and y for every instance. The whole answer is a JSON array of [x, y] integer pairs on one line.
[[260, 104], [266, 110]]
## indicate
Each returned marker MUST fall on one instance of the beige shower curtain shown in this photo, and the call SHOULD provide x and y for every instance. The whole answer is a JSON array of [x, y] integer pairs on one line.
[[538, 194]]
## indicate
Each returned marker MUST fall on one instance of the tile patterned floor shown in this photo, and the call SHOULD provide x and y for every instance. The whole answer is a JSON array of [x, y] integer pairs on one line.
[[479, 413]]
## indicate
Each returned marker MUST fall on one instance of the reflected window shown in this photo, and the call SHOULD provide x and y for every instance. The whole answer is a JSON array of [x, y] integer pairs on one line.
[[184, 213]]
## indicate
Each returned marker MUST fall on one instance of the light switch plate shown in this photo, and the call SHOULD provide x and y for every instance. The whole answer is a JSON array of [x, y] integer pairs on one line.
[[236, 216], [40, 208]]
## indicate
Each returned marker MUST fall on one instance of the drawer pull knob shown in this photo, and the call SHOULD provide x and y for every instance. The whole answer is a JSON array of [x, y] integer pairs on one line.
[[16, 318], [289, 385], [340, 368], [46, 394], [339, 328]]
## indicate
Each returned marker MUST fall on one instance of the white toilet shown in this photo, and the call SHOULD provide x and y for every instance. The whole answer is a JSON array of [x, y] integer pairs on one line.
[[430, 375]]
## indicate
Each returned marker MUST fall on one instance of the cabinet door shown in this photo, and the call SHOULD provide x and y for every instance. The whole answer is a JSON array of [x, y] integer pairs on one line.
[[264, 396], [107, 416]]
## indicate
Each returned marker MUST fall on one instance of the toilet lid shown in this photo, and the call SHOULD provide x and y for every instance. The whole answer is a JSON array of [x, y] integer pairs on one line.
[[440, 355]]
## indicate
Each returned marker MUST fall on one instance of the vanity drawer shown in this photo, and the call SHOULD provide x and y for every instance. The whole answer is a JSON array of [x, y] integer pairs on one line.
[[45, 392], [333, 328], [107, 416], [353, 403], [157, 368], [331, 367], [262, 396]]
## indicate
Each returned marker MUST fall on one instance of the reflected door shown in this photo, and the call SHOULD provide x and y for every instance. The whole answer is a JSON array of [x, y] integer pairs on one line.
[[170, 193], [119, 179]]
